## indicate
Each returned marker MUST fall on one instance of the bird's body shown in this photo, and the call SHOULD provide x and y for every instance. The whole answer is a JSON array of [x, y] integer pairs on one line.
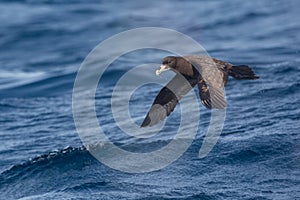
[[211, 76]]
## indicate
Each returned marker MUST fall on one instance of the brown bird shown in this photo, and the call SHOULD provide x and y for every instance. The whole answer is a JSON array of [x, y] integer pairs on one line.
[[211, 76]]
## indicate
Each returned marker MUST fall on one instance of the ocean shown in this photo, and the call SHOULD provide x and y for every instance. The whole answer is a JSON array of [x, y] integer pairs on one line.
[[43, 43]]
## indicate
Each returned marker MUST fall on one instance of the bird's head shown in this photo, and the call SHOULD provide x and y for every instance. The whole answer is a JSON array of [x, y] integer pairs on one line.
[[177, 64], [168, 62]]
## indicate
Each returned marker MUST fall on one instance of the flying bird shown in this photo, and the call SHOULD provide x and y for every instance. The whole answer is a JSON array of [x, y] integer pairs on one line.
[[211, 76]]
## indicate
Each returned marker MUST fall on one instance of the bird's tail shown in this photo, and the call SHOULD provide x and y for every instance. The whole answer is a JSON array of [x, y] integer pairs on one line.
[[242, 72]]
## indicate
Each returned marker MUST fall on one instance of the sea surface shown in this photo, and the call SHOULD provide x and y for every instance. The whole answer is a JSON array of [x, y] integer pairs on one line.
[[44, 42]]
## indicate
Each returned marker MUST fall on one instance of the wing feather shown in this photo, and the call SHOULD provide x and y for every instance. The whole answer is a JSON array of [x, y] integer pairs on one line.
[[167, 99], [211, 97]]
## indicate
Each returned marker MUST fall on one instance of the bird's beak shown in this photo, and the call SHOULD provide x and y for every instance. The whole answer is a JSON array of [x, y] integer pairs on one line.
[[162, 69]]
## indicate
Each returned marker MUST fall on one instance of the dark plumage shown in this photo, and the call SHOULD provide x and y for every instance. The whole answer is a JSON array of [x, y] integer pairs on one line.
[[210, 74]]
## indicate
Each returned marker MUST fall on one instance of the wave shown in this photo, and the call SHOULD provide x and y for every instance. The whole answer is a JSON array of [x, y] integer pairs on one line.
[[41, 84], [45, 173], [78, 155], [45, 160], [46, 85], [10, 79], [279, 91], [61, 173], [255, 151], [230, 21]]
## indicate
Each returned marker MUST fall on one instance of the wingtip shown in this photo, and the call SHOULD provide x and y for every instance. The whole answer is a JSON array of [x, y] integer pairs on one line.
[[146, 122], [142, 126]]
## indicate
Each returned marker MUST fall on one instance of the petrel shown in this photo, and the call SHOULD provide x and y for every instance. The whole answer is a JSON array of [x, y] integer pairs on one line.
[[211, 76]]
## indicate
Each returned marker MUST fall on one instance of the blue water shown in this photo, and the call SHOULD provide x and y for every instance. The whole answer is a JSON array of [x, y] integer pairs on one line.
[[43, 43]]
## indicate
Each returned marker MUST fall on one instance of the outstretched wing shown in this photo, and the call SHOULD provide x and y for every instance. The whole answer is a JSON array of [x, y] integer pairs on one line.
[[167, 99], [211, 97]]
